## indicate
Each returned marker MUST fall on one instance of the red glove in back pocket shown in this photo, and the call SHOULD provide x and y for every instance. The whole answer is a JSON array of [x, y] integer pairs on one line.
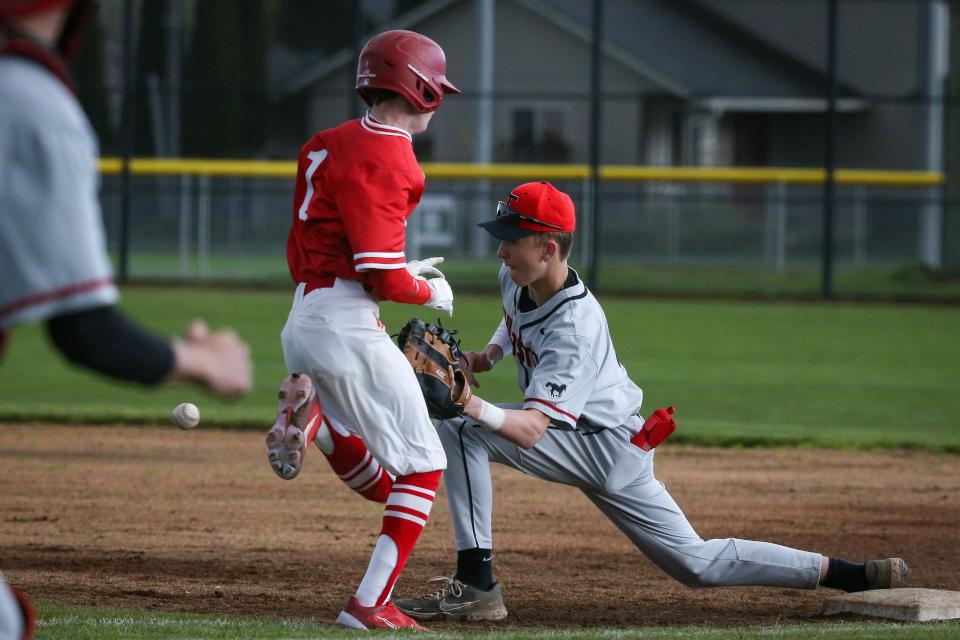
[[655, 429]]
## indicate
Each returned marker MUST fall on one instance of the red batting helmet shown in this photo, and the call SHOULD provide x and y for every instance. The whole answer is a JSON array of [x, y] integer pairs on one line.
[[408, 63]]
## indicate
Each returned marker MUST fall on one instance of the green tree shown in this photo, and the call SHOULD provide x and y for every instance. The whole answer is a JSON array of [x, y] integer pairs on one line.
[[87, 70], [951, 211], [253, 33], [223, 93], [308, 25], [151, 53], [403, 6]]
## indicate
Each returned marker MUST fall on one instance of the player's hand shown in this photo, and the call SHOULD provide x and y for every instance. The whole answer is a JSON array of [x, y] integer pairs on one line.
[[197, 330], [475, 362], [423, 268], [219, 360], [441, 295]]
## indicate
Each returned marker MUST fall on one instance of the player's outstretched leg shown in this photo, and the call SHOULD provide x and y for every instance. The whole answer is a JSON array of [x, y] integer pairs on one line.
[[889, 573], [298, 418], [353, 463]]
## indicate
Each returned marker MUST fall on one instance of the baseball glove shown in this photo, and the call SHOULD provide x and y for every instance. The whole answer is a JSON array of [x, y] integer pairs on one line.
[[433, 353]]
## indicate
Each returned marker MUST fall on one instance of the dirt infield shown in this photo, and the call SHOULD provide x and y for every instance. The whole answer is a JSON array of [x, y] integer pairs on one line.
[[156, 518]]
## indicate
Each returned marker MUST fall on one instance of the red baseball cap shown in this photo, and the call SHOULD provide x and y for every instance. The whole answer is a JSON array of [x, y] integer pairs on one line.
[[533, 207]]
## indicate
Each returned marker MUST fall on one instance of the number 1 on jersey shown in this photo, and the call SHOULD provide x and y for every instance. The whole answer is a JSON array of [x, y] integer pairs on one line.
[[316, 159]]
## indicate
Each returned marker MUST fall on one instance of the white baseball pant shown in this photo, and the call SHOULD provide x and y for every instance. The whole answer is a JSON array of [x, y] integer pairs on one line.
[[362, 379]]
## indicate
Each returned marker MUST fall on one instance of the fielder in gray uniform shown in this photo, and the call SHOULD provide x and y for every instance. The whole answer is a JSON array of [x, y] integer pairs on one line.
[[579, 412]]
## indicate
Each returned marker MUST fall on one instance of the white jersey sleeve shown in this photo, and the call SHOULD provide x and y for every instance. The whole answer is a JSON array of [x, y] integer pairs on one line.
[[561, 384], [501, 338], [52, 243]]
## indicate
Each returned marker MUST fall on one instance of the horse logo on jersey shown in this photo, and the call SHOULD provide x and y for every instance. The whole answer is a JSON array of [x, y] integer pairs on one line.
[[556, 390]]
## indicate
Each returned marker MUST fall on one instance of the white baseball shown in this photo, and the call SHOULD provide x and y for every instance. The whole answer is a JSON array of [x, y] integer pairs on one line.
[[186, 415]]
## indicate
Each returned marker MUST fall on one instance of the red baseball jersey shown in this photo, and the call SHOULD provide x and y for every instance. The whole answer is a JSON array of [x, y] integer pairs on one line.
[[356, 186]]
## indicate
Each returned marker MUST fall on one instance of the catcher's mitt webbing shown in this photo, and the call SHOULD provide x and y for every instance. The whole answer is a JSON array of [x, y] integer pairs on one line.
[[432, 352]]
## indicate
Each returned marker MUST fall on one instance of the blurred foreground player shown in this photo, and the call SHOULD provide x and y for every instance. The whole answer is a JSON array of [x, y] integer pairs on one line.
[[17, 615], [52, 244]]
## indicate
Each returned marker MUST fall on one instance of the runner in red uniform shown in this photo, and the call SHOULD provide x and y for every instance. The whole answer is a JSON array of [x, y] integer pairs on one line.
[[356, 186]]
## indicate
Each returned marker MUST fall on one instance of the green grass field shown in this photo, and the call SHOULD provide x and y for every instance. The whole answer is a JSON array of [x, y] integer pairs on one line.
[[83, 623], [739, 373], [742, 374]]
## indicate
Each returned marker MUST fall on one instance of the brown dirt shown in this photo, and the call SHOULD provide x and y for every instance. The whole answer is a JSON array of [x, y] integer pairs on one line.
[[156, 518]]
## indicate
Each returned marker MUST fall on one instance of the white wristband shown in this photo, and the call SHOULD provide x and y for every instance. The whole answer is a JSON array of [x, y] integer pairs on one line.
[[491, 416]]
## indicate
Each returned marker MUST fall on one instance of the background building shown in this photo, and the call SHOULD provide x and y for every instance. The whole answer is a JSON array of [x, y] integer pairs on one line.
[[684, 84]]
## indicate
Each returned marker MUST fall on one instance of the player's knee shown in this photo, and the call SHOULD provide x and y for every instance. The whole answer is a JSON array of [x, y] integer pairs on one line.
[[688, 567], [693, 579], [380, 491], [699, 576]]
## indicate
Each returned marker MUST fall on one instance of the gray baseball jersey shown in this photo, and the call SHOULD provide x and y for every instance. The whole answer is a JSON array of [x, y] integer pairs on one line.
[[567, 369], [52, 243], [566, 364]]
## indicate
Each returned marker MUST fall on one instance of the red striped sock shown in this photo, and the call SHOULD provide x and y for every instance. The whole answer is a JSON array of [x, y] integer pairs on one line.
[[358, 469], [408, 508]]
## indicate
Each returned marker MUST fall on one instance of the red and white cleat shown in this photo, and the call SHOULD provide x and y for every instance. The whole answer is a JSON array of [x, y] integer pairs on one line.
[[298, 419], [356, 616]]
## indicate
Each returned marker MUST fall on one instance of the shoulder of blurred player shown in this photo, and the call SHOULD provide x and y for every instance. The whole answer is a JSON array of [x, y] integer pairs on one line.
[[31, 92]]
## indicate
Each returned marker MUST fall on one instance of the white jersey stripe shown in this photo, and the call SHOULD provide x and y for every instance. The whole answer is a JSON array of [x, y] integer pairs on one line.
[[378, 127], [378, 254], [373, 126], [378, 265]]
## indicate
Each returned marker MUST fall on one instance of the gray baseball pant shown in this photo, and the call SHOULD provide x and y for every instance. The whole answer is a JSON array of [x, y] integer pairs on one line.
[[643, 510]]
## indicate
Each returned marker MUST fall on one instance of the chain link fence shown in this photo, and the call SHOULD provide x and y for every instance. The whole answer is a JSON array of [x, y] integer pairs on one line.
[[677, 237]]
